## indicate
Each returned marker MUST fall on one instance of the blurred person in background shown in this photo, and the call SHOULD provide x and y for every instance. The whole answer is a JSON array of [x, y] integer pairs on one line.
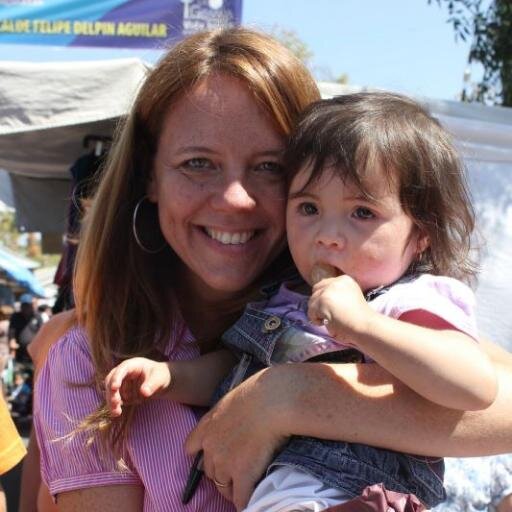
[[6, 362], [45, 312], [23, 327], [20, 396]]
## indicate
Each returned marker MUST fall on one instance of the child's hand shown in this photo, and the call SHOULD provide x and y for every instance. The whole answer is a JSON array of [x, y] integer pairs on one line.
[[134, 380], [339, 304]]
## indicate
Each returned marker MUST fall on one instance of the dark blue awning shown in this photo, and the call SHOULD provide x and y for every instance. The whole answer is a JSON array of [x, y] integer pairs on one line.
[[13, 268]]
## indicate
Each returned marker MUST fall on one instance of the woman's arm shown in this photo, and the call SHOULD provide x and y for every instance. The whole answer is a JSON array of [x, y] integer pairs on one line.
[[31, 485], [128, 498], [75, 469], [496, 353], [356, 403], [505, 504], [372, 407]]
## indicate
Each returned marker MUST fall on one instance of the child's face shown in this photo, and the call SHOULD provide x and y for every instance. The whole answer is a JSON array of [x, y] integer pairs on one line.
[[330, 223]]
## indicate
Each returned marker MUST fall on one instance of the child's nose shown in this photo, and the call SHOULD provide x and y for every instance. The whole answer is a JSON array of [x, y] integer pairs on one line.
[[331, 238]]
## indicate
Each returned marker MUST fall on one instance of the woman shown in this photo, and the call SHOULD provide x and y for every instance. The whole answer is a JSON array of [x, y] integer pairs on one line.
[[195, 171]]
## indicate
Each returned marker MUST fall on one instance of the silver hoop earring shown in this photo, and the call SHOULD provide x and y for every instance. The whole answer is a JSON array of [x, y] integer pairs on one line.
[[134, 229]]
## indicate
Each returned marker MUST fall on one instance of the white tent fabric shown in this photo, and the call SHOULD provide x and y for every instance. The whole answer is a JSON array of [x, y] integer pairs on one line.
[[482, 133], [47, 108], [6, 195]]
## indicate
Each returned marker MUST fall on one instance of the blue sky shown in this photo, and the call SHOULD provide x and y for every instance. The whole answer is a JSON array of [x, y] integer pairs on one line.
[[400, 45]]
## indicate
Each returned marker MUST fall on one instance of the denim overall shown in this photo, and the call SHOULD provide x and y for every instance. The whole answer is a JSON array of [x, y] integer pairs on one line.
[[349, 467]]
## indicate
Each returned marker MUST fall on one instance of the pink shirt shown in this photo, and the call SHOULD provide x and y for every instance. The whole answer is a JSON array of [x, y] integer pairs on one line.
[[155, 453], [442, 296]]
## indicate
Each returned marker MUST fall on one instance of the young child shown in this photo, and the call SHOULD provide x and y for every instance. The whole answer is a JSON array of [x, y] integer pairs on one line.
[[20, 396], [379, 224]]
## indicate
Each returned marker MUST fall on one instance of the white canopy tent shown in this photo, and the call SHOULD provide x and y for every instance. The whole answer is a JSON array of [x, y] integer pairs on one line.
[[46, 109], [482, 133]]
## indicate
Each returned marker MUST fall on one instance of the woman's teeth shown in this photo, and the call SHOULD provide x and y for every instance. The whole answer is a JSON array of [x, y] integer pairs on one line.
[[230, 238]]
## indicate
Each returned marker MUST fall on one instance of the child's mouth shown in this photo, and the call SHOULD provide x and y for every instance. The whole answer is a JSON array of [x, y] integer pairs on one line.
[[323, 271]]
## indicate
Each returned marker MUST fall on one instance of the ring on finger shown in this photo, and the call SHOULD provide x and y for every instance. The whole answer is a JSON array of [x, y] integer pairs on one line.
[[221, 484]]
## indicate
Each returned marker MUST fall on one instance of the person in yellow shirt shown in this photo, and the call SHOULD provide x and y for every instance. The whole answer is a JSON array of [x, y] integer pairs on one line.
[[12, 449]]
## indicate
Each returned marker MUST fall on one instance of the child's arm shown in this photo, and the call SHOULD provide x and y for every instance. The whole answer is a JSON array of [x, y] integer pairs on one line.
[[190, 382], [438, 362]]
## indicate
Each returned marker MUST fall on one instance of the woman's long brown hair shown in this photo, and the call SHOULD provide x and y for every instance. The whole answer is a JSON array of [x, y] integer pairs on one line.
[[123, 295]]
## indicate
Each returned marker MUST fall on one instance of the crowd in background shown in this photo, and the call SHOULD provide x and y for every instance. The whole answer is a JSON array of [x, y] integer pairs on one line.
[[17, 330]]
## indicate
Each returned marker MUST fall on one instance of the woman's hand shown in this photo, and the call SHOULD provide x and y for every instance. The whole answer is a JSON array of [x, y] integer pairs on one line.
[[240, 435]]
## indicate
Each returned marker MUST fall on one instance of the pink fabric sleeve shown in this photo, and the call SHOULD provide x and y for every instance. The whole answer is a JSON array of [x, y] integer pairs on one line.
[[444, 297], [64, 395]]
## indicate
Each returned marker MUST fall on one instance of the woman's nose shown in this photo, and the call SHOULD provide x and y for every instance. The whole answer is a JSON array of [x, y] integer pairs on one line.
[[233, 196]]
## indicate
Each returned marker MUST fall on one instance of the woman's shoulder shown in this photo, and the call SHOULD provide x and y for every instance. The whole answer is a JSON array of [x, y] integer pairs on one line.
[[48, 334], [69, 356], [73, 341]]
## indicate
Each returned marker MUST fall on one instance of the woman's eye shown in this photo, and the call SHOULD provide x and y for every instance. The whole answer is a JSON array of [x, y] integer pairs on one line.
[[195, 164], [308, 209], [363, 213], [272, 167]]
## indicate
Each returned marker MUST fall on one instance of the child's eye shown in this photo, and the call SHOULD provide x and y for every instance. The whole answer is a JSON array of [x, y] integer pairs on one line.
[[272, 167], [363, 213], [197, 164], [308, 209]]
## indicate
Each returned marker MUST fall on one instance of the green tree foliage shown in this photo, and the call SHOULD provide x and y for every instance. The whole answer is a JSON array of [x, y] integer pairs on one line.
[[343, 79], [294, 43], [9, 233], [301, 50], [489, 24]]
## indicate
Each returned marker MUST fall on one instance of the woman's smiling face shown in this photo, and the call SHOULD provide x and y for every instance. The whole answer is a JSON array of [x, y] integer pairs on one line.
[[219, 187]]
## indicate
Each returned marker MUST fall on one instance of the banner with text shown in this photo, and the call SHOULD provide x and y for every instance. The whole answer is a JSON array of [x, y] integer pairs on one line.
[[112, 23]]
